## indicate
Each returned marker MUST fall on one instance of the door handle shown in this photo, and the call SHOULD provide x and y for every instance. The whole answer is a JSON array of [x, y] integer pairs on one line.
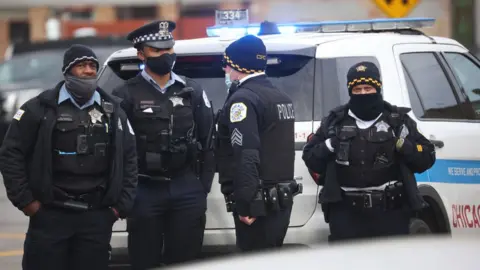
[[298, 178], [437, 143]]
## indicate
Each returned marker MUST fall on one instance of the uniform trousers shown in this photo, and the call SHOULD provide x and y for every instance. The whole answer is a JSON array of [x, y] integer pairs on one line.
[[60, 239], [347, 222], [266, 232], [167, 223]]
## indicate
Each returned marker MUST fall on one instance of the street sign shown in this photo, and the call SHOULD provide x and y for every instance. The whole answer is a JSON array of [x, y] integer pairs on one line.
[[396, 8], [231, 17]]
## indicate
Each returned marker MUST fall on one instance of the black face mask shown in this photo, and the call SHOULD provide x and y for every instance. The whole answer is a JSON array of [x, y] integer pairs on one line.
[[366, 107], [162, 64], [81, 89]]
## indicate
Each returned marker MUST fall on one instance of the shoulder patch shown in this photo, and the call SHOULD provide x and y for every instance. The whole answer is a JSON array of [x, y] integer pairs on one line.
[[205, 99], [18, 115], [238, 112]]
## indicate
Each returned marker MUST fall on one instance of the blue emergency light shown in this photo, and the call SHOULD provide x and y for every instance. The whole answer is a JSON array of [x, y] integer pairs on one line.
[[326, 26]]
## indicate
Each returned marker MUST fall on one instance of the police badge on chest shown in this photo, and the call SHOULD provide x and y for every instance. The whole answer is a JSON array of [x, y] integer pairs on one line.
[[95, 116]]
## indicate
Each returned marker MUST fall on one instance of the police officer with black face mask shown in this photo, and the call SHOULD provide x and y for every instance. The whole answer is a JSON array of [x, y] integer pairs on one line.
[[366, 153], [69, 163], [172, 118], [256, 148]]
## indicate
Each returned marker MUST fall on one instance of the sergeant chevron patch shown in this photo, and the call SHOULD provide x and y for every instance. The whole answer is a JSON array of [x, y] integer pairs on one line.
[[236, 138]]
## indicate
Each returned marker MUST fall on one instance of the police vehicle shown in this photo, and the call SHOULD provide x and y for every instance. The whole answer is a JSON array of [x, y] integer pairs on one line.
[[437, 77]]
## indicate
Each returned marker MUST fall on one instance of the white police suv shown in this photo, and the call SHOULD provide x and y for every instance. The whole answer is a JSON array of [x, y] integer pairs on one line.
[[437, 77]]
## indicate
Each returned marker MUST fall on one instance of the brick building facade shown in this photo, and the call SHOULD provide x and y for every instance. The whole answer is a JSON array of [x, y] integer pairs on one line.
[[192, 19]]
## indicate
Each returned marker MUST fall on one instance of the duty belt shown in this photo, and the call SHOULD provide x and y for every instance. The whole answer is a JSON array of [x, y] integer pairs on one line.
[[82, 202], [390, 198], [275, 196]]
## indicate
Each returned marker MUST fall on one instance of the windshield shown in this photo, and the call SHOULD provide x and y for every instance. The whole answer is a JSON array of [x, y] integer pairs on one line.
[[40, 67]]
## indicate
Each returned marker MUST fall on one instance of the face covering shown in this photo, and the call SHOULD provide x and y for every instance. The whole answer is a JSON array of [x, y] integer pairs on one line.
[[162, 64], [366, 107], [81, 89], [228, 81]]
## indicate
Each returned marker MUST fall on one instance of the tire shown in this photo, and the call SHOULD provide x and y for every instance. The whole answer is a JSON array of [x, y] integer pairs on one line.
[[418, 226]]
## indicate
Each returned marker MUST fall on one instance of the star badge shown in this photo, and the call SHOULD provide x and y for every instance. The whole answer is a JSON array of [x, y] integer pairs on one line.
[[163, 28], [382, 126], [176, 101], [95, 116], [361, 68]]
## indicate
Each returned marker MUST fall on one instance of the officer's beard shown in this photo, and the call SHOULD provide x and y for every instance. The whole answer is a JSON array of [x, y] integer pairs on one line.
[[366, 107], [81, 89]]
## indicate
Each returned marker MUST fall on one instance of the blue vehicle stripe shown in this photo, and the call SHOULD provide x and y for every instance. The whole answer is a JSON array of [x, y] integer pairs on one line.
[[452, 172]]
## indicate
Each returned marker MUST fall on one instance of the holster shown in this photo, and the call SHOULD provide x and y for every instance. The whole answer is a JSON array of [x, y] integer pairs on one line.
[[395, 196], [285, 196]]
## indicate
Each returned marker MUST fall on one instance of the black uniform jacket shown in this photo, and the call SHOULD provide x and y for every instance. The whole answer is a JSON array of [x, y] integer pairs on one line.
[[316, 153], [26, 154], [203, 117]]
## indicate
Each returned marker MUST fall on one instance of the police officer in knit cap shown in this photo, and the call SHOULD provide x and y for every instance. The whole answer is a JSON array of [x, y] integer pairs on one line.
[[172, 118], [69, 163], [255, 151], [366, 153]]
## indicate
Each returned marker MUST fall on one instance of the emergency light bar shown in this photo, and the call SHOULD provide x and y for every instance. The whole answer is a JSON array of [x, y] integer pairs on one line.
[[326, 26]]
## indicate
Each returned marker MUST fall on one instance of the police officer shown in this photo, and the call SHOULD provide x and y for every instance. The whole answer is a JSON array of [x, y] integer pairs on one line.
[[69, 163], [366, 153], [255, 153], [172, 118]]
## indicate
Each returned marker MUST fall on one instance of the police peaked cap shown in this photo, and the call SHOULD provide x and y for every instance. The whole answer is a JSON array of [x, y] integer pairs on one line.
[[364, 73], [157, 34]]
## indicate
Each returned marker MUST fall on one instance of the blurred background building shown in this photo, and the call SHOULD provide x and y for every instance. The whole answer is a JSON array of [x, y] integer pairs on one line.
[[25, 20]]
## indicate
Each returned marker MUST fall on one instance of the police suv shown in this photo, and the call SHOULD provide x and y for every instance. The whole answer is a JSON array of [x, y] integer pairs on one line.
[[437, 77]]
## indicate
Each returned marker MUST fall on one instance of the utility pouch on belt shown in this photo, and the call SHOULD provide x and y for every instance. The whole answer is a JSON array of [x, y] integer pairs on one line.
[[394, 196], [285, 195], [272, 199], [257, 206]]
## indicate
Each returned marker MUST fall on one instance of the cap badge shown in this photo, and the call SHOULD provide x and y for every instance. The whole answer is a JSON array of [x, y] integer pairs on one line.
[[361, 68], [163, 28]]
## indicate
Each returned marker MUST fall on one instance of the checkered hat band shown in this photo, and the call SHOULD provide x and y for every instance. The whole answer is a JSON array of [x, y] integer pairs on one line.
[[364, 80], [229, 62], [152, 37]]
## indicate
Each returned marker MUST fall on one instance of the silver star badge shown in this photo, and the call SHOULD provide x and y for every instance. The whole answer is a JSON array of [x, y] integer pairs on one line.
[[176, 101], [96, 116], [382, 126]]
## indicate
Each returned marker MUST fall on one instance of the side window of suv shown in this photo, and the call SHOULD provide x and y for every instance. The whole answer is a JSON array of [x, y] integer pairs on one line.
[[331, 82], [430, 92], [468, 76]]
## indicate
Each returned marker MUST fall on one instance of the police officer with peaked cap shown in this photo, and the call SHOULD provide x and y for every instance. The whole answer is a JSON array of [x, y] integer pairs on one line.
[[172, 118], [367, 152], [69, 163], [255, 148]]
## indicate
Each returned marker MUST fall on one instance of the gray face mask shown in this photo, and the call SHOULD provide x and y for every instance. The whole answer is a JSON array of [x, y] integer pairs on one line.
[[81, 89]]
